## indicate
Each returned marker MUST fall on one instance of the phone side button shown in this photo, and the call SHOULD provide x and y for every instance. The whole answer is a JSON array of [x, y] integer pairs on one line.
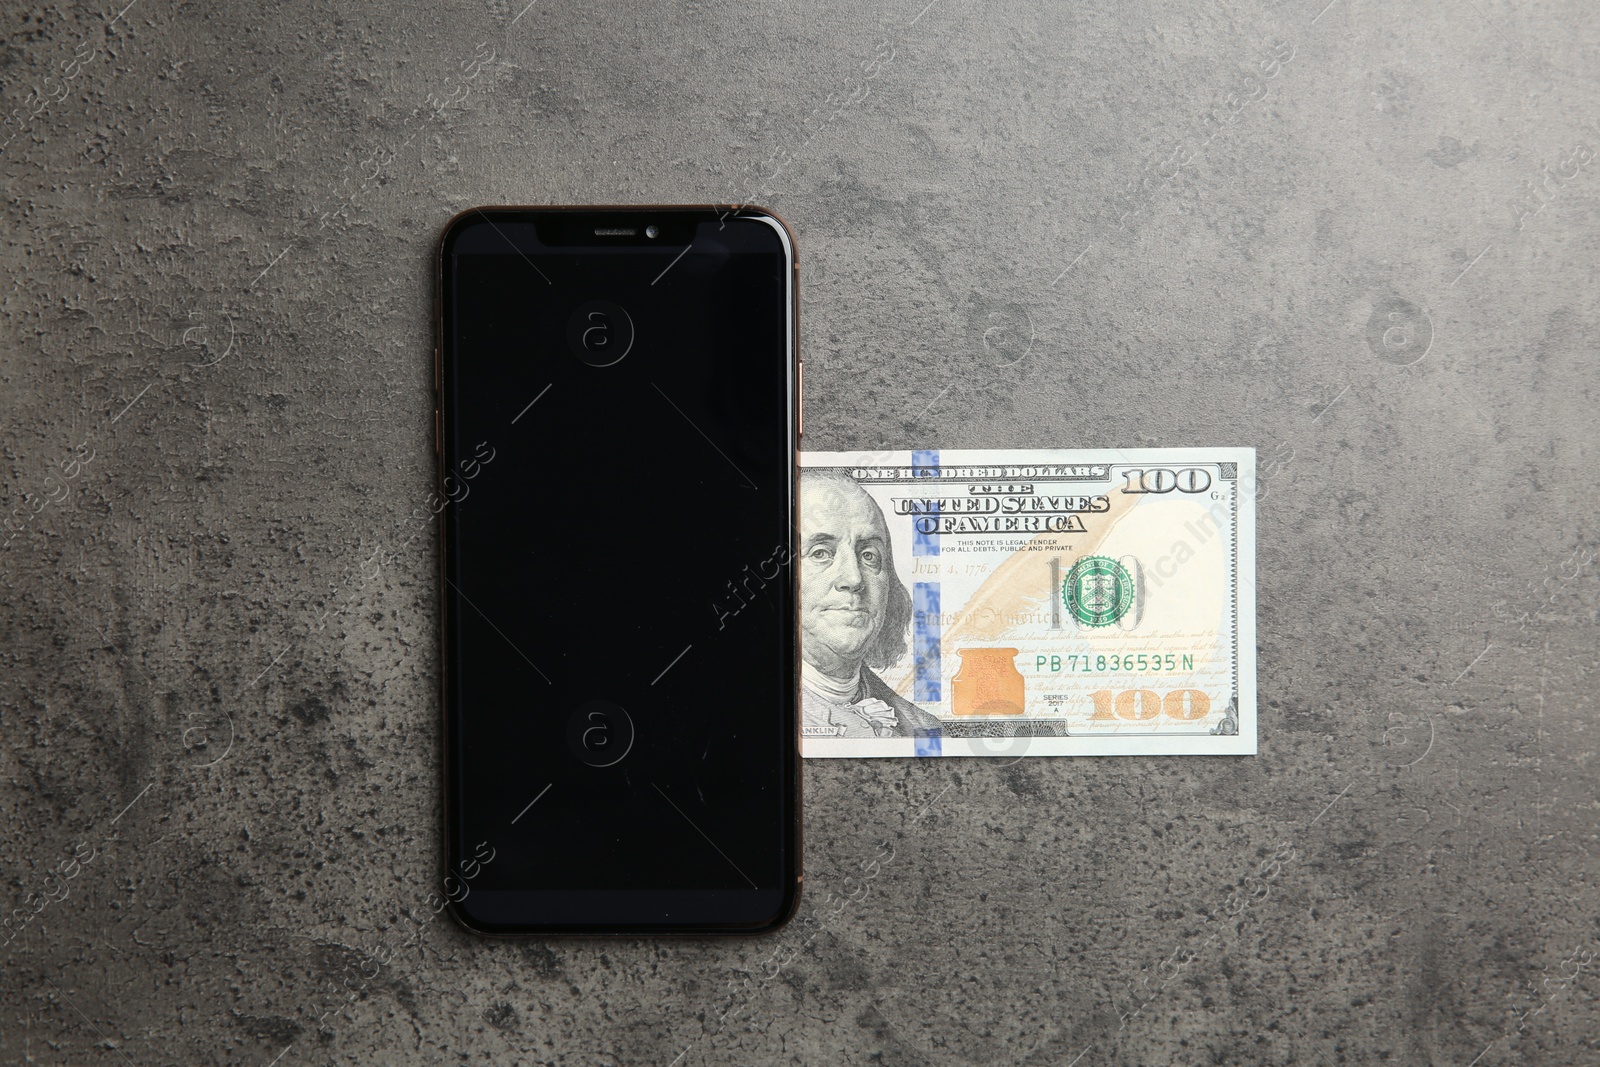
[[800, 404], [438, 431]]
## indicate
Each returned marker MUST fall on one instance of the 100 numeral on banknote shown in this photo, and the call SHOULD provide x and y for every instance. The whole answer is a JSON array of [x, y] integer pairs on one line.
[[1028, 602]]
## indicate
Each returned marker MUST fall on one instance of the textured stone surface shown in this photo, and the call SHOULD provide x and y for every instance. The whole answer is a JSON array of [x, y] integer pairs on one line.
[[1309, 230]]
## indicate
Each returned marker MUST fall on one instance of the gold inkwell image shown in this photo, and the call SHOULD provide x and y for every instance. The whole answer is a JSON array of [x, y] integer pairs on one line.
[[988, 683]]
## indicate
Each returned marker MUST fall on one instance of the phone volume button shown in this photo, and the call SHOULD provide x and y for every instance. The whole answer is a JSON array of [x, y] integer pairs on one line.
[[800, 405]]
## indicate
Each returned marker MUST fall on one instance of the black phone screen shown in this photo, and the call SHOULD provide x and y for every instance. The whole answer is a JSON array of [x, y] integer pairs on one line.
[[618, 452]]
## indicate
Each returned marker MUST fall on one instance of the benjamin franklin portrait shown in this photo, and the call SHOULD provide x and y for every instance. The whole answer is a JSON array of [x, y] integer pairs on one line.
[[855, 615]]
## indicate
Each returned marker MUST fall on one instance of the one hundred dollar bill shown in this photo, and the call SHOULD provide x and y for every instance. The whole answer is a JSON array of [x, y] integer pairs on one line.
[[1039, 602]]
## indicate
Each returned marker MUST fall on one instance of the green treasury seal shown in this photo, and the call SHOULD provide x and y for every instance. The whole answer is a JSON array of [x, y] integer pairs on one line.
[[1098, 591]]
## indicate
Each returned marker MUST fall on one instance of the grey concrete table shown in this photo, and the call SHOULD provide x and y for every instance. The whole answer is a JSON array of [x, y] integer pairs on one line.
[[1359, 237]]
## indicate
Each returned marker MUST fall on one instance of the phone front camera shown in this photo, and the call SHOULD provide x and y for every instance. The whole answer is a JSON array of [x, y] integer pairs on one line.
[[652, 231]]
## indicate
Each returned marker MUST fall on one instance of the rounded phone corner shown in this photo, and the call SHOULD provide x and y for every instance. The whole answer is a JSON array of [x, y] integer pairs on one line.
[[786, 235], [756, 211], [785, 913], [462, 914], [456, 224]]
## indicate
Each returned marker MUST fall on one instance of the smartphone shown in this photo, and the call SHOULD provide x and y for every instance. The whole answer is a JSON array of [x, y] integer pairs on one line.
[[617, 432]]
